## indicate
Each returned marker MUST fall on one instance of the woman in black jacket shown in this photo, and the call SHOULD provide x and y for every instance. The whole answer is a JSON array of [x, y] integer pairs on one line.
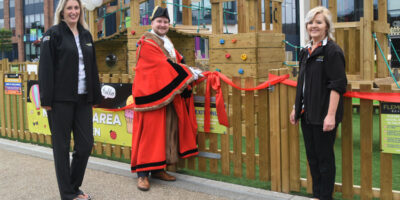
[[69, 87], [319, 99]]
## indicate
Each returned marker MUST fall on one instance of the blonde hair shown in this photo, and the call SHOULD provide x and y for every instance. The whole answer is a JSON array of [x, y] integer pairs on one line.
[[328, 20], [59, 10]]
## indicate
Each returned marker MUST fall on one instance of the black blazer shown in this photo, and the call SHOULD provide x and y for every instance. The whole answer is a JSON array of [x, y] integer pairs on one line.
[[323, 71], [59, 66]]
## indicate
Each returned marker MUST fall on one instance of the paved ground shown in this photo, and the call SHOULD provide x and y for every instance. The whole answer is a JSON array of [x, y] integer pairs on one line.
[[27, 172]]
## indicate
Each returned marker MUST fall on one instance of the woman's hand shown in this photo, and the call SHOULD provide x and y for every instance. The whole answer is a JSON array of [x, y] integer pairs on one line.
[[47, 107], [329, 123], [292, 119]]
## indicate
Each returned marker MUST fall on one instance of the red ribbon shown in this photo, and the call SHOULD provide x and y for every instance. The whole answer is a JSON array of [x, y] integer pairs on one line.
[[213, 80], [380, 96]]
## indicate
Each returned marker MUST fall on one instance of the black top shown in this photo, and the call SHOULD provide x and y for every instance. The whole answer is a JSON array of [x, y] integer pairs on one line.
[[323, 71], [59, 66]]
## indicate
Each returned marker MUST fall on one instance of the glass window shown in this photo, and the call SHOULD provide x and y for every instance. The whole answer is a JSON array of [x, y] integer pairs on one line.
[[12, 22], [42, 19], [12, 3], [1, 23], [27, 24], [1, 4]]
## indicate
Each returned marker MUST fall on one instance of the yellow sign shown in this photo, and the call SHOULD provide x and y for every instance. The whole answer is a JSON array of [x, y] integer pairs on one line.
[[37, 119], [215, 126]]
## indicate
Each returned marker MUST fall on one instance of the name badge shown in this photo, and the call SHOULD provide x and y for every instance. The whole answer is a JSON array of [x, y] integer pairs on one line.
[[320, 59]]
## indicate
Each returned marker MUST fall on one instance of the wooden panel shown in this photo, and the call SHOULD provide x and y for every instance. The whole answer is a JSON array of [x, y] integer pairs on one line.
[[277, 16], [294, 146], [276, 174], [346, 47], [267, 14], [267, 55], [186, 13], [225, 144], [127, 153], [218, 56], [132, 44], [284, 120], [366, 123], [230, 70], [340, 38], [252, 16], [270, 40], [2, 112], [8, 115], [214, 149], [347, 148], [250, 129], [263, 135], [243, 40], [386, 164], [237, 127], [241, 16], [367, 45]]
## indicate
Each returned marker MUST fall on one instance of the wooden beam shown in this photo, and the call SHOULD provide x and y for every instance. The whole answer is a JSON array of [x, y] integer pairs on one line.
[[186, 13], [277, 17], [314, 3], [135, 13], [346, 24], [217, 17], [381, 27], [241, 16], [382, 10], [381, 68], [252, 17]]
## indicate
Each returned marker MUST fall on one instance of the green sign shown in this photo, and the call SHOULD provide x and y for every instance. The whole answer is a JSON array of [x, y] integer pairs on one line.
[[390, 127]]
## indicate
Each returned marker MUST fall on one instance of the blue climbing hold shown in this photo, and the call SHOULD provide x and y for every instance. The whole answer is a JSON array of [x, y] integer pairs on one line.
[[218, 70], [137, 44], [241, 71], [222, 41]]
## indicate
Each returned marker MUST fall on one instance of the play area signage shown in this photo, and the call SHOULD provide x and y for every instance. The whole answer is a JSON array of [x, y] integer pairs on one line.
[[390, 127], [13, 84]]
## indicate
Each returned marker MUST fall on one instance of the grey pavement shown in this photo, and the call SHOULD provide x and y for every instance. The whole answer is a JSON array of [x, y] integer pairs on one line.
[[27, 172]]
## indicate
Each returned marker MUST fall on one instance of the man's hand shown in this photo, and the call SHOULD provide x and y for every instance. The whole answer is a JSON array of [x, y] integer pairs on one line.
[[47, 107], [329, 123], [292, 116]]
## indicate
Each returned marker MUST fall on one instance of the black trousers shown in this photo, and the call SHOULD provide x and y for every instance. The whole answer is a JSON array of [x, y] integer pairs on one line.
[[146, 173], [321, 158], [64, 118]]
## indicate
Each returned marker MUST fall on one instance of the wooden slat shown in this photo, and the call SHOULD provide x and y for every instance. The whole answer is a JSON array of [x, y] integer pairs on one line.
[[241, 16], [386, 164], [22, 106], [294, 146], [333, 9], [201, 135], [347, 148], [284, 123], [214, 149], [263, 135], [340, 38], [277, 20], [366, 123], [237, 127], [267, 14], [381, 68], [2, 111], [346, 47], [252, 16], [8, 115], [217, 16], [276, 173], [250, 129], [127, 152], [14, 116], [309, 180], [225, 144], [351, 64]]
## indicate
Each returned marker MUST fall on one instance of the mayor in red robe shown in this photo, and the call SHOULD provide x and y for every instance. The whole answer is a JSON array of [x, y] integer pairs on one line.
[[164, 122]]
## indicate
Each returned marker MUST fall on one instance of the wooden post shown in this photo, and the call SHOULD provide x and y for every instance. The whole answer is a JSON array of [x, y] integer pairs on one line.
[[186, 13], [333, 9], [241, 16], [237, 127], [267, 14], [347, 148], [135, 14], [225, 144], [252, 16], [309, 180], [217, 16], [366, 123], [263, 135], [381, 68], [314, 3], [14, 116], [284, 123], [2, 112], [294, 146], [386, 164], [93, 24], [250, 129], [368, 43], [276, 173]]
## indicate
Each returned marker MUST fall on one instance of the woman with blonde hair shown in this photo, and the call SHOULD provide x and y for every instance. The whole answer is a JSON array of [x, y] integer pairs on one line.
[[319, 99], [69, 87]]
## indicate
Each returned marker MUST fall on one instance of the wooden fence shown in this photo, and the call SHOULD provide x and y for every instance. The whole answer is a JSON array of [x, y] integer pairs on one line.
[[260, 138]]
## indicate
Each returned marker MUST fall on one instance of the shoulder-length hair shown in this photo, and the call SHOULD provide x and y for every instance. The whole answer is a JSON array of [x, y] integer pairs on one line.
[[328, 20], [60, 7]]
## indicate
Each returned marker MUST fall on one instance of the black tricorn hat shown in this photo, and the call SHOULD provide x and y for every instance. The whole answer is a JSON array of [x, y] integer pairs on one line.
[[159, 12]]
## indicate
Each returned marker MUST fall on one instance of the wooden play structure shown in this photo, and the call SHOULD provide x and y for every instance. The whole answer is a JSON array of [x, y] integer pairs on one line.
[[260, 143]]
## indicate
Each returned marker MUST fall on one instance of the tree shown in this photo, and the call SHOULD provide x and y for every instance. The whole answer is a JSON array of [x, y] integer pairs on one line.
[[5, 41]]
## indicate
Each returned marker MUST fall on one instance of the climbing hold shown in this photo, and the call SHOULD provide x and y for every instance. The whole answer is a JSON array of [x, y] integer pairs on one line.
[[137, 44], [133, 32], [227, 55], [234, 41], [243, 57], [241, 71], [218, 70], [222, 41]]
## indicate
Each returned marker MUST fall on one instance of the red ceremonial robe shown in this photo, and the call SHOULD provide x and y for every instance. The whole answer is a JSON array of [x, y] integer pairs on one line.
[[159, 80]]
